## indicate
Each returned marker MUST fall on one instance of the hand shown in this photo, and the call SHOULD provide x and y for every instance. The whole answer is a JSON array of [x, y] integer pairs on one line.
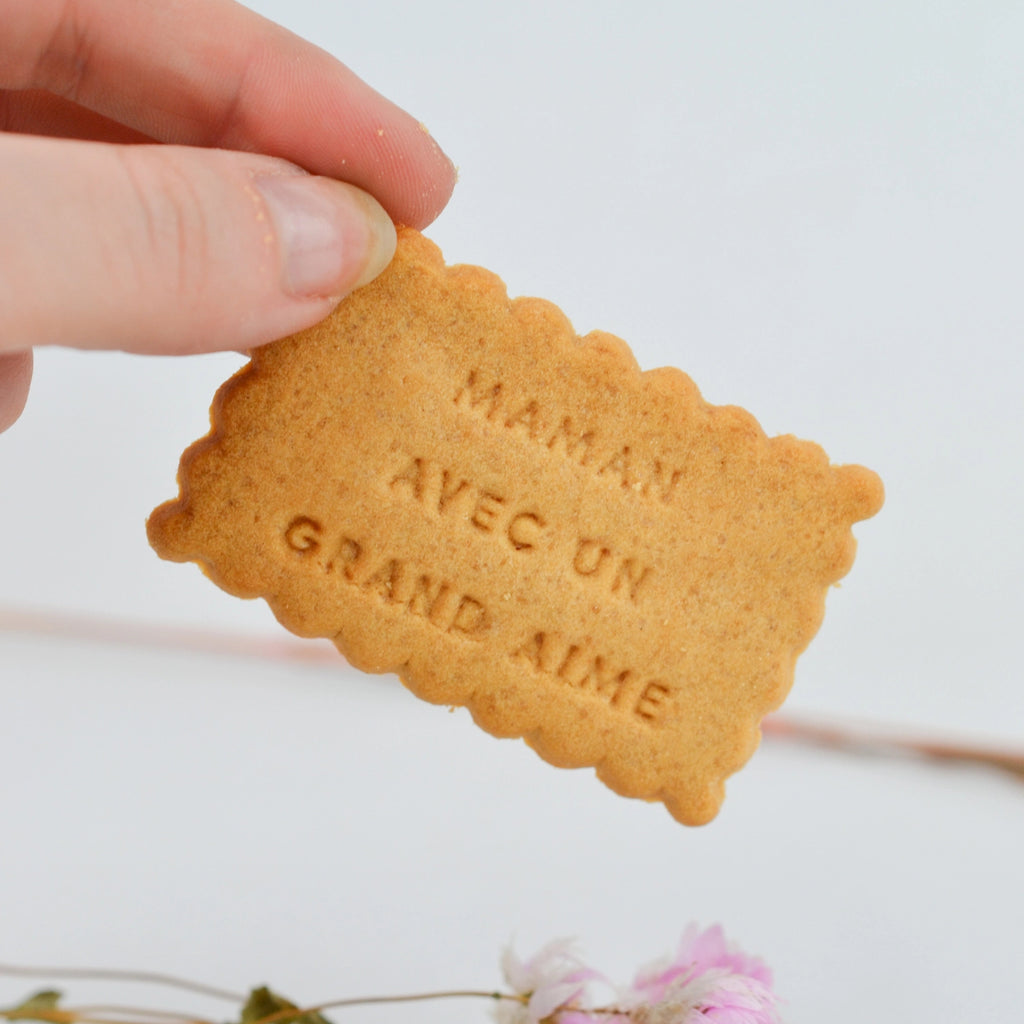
[[250, 220]]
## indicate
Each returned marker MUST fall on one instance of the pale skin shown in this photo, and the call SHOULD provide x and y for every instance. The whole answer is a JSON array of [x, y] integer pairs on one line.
[[184, 176]]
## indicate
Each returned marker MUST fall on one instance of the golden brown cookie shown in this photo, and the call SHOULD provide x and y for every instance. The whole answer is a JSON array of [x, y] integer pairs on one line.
[[452, 486]]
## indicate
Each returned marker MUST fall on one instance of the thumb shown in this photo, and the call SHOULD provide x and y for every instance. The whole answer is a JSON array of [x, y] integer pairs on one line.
[[166, 249], [15, 377]]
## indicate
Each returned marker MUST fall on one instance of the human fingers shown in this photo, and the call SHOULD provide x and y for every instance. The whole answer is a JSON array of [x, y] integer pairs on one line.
[[170, 249], [37, 112], [213, 73], [15, 377]]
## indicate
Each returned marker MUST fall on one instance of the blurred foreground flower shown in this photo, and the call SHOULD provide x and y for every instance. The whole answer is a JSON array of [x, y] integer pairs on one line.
[[551, 982], [706, 982]]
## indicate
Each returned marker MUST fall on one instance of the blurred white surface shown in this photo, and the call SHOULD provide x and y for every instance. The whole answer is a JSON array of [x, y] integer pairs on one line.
[[816, 212]]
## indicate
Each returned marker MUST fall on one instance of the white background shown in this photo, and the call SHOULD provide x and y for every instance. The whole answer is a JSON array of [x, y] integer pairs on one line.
[[815, 210]]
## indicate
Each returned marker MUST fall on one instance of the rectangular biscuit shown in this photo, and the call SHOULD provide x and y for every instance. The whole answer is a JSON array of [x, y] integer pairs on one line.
[[453, 486]]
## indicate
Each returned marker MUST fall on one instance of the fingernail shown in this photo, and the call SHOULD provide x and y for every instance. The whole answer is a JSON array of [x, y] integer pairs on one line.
[[332, 237]]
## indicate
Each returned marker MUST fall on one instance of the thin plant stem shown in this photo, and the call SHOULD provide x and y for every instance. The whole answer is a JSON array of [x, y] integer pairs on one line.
[[136, 1012], [869, 740], [72, 1017], [874, 742], [419, 997], [96, 629], [105, 974], [136, 1015]]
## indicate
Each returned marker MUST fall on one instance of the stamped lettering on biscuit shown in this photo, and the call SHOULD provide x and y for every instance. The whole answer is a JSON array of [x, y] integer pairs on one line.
[[453, 486]]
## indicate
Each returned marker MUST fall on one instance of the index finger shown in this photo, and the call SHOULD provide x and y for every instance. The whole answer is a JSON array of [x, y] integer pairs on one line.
[[213, 73]]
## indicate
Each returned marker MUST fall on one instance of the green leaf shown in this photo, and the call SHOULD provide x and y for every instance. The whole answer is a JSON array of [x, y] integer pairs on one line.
[[37, 1007], [263, 1003]]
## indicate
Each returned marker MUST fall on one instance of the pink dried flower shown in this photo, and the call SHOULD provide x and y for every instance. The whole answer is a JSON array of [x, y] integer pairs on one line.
[[707, 980], [552, 980]]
